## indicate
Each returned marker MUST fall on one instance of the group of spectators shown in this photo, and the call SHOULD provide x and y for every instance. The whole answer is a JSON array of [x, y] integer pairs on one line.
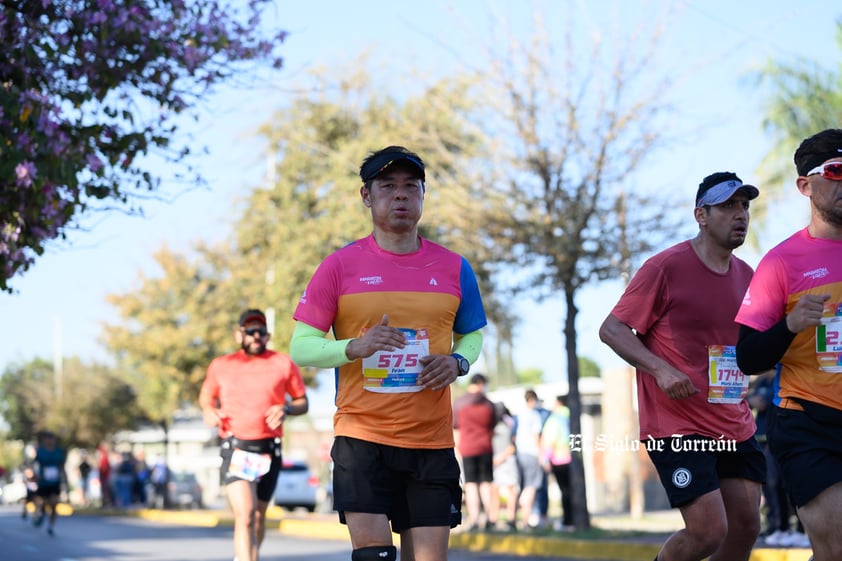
[[507, 459], [106, 478], [126, 479]]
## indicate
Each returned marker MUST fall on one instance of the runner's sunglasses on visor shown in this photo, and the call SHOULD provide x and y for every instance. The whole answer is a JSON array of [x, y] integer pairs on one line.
[[829, 170], [253, 331]]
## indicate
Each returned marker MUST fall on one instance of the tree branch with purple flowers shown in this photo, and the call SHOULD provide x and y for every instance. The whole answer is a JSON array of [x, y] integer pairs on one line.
[[89, 87]]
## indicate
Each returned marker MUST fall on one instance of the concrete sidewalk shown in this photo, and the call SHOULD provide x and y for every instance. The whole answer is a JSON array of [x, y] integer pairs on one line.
[[614, 538]]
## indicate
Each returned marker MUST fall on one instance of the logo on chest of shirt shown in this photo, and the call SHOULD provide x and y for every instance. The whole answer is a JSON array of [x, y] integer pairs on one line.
[[819, 273], [372, 280]]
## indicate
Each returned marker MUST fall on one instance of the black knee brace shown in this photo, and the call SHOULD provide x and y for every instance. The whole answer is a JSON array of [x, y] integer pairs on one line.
[[376, 553]]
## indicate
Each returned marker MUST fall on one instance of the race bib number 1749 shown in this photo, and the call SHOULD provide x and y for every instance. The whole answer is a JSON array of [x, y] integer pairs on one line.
[[727, 383]]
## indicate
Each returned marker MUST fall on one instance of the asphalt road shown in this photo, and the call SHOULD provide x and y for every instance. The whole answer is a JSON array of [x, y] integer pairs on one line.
[[109, 538]]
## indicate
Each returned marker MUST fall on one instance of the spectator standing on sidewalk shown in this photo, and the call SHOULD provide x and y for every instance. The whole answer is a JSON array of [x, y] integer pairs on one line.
[[556, 457], [104, 470], [159, 477], [474, 419], [528, 445], [84, 478], [539, 517], [124, 480], [140, 491], [506, 485]]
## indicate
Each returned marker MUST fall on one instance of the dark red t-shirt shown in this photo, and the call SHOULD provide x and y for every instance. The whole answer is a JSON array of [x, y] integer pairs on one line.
[[679, 308], [475, 417]]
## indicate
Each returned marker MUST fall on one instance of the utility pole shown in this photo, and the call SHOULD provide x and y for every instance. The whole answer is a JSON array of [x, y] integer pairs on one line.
[[636, 495], [270, 269], [58, 366]]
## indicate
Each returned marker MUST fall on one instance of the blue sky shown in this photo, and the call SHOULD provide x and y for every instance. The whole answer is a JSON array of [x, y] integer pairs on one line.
[[60, 303]]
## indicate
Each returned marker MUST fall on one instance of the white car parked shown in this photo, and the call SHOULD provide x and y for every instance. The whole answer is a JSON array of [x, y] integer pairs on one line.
[[297, 486], [14, 490]]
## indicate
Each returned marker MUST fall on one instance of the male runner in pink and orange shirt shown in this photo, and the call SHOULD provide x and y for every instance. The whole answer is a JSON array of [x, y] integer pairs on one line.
[[406, 315]]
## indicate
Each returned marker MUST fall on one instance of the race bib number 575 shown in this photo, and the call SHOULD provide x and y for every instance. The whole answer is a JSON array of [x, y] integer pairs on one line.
[[397, 371]]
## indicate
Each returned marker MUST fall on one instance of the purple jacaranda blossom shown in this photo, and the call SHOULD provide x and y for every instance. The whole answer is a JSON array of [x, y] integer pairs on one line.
[[75, 80], [25, 174], [97, 18], [94, 163]]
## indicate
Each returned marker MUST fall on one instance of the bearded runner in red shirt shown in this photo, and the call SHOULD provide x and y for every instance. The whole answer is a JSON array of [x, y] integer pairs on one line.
[[245, 395]]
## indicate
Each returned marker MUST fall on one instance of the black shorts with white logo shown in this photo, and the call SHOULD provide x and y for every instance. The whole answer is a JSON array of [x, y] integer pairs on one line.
[[412, 487], [692, 465]]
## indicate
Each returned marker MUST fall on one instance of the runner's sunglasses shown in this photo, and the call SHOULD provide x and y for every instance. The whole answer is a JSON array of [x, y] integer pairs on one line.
[[829, 170], [252, 331]]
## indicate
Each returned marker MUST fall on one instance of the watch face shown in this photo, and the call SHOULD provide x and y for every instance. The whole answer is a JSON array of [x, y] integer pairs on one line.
[[464, 366]]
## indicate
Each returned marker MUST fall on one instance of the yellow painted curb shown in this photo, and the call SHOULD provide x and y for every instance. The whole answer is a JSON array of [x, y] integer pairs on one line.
[[532, 546], [314, 529], [795, 554], [543, 546], [192, 518], [522, 544], [64, 509]]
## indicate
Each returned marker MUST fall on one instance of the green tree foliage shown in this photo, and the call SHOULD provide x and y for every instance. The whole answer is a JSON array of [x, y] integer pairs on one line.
[[82, 403], [172, 326], [87, 89], [530, 376], [588, 368], [11, 453], [804, 97]]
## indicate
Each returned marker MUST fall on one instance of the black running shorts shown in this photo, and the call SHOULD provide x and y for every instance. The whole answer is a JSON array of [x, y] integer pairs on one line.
[[412, 487]]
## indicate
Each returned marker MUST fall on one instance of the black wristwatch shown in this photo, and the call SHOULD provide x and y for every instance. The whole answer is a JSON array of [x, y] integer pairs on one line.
[[462, 363]]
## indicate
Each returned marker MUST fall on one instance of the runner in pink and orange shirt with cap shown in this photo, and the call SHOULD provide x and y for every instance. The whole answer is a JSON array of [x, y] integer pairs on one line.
[[405, 315]]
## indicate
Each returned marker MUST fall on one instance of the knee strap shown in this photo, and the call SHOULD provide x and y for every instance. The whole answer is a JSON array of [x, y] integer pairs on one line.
[[376, 553]]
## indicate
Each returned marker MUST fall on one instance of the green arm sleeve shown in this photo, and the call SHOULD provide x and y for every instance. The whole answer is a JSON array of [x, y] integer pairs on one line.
[[468, 345], [309, 347]]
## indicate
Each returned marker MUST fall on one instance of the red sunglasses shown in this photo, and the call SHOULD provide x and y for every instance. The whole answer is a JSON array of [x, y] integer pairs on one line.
[[829, 170]]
